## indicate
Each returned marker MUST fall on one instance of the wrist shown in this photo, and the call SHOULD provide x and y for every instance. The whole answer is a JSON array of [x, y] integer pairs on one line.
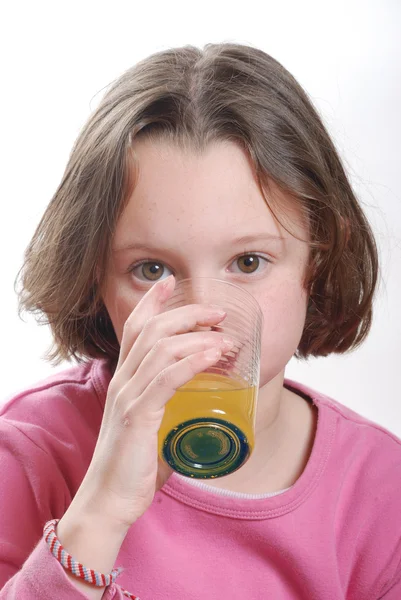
[[91, 539], [86, 579], [98, 509]]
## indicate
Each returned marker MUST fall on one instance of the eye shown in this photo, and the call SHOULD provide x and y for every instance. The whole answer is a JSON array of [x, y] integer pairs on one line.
[[150, 270], [249, 263]]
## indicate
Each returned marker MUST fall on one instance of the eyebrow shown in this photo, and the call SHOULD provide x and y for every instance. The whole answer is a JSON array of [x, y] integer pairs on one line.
[[245, 239]]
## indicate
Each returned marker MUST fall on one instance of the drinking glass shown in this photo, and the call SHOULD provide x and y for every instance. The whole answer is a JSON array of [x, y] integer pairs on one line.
[[208, 428]]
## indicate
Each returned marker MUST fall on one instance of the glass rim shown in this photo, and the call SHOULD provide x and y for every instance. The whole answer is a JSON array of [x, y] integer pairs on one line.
[[252, 300]]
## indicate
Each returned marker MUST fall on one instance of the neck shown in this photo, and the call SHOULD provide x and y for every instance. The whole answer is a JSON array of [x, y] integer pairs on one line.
[[285, 431]]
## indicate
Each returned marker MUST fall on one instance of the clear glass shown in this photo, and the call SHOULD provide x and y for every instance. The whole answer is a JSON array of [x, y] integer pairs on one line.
[[208, 429]]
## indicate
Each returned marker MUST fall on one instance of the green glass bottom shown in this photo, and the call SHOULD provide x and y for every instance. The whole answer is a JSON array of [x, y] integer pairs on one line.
[[205, 448]]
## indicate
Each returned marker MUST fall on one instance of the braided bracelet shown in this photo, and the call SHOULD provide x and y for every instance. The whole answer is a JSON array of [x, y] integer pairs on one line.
[[75, 567]]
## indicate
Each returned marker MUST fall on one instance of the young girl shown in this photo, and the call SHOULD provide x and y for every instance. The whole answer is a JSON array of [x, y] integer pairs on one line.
[[209, 163]]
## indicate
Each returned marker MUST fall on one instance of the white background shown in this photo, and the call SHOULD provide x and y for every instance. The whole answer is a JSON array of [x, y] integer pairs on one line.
[[56, 59]]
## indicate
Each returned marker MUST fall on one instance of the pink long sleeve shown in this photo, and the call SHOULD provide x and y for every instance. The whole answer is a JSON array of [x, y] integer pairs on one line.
[[25, 470], [43, 458], [42, 578]]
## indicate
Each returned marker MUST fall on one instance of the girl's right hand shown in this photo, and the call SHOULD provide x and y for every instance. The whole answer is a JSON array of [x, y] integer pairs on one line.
[[159, 352]]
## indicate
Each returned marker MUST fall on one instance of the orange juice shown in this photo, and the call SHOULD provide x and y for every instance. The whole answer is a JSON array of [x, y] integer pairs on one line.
[[208, 426]]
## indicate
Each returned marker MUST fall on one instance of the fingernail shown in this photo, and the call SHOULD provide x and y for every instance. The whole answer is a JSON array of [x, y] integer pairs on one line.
[[168, 281], [217, 311], [227, 343], [212, 354], [165, 287]]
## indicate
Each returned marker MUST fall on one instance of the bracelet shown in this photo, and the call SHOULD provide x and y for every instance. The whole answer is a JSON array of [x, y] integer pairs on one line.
[[75, 567]]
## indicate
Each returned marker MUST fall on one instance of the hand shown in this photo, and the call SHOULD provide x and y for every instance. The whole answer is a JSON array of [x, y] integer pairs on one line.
[[160, 351]]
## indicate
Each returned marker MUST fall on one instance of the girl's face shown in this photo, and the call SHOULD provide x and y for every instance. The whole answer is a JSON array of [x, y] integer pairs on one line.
[[187, 216]]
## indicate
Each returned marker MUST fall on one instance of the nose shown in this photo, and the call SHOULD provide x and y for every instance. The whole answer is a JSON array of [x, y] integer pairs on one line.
[[201, 291]]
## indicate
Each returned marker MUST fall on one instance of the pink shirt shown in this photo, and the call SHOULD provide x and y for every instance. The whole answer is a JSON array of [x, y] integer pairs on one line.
[[336, 534]]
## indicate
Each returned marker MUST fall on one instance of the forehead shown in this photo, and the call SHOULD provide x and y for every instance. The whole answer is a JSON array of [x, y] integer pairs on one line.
[[178, 192]]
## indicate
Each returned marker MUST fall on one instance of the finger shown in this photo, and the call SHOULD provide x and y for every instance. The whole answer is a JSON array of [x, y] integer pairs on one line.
[[149, 305], [167, 351], [165, 384], [166, 325]]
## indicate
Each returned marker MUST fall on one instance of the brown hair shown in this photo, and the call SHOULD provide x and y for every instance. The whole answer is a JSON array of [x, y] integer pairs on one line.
[[193, 97]]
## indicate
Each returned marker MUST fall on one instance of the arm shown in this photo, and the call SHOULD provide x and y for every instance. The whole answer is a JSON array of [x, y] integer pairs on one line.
[[32, 491], [124, 472], [92, 541]]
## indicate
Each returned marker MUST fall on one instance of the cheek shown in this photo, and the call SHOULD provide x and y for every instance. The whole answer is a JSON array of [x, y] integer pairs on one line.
[[284, 313]]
